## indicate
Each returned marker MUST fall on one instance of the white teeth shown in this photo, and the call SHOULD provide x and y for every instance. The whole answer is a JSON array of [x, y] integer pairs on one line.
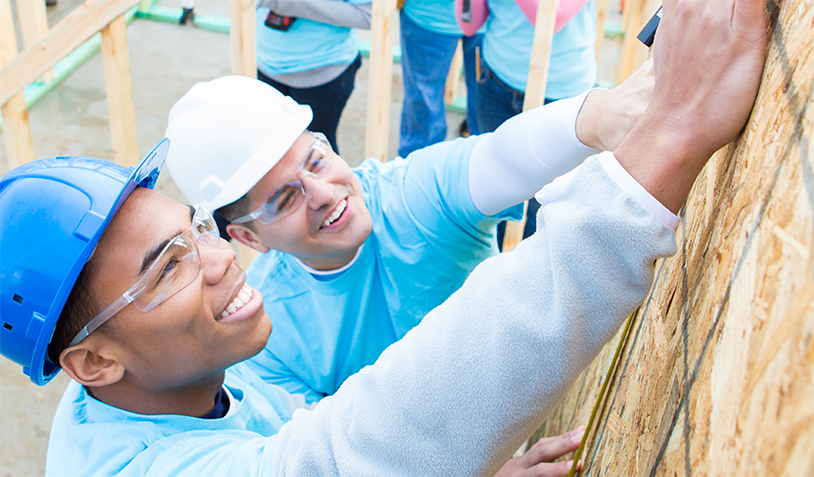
[[339, 209], [243, 297]]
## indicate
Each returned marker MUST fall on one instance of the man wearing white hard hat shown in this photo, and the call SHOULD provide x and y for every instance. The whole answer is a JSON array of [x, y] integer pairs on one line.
[[352, 259]]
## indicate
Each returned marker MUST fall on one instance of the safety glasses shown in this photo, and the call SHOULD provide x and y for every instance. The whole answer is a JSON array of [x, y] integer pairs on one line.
[[288, 197], [175, 267]]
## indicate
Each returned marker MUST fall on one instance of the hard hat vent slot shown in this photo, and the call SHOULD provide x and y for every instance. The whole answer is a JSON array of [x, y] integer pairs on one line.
[[8, 326], [17, 298]]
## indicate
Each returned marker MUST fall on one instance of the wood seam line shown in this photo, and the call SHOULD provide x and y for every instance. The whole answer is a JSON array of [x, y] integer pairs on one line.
[[600, 399]]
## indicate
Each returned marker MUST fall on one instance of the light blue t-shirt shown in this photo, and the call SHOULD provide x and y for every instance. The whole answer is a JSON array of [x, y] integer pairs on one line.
[[427, 237], [434, 15], [306, 45], [507, 46], [89, 437]]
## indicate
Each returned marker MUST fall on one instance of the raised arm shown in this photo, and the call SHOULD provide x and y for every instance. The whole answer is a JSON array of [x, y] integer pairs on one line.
[[530, 150], [332, 12]]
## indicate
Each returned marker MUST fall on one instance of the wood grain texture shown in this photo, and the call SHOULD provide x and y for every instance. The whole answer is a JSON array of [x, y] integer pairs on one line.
[[242, 37], [717, 377], [119, 87]]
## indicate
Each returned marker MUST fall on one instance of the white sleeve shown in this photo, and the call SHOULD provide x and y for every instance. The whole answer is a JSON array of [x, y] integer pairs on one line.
[[524, 154], [462, 390]]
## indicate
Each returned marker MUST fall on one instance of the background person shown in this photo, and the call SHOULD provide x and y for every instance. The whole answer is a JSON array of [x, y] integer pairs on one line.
[[307, 49]]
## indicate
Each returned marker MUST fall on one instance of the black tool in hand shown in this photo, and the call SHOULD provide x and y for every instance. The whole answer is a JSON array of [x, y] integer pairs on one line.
[[648, 33]]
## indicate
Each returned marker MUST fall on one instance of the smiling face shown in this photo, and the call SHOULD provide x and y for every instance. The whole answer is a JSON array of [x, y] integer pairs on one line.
[[188, 337], [327, 228]]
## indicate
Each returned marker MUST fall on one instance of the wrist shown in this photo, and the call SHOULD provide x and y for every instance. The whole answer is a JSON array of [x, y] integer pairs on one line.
[[589, 119], [663, 158]]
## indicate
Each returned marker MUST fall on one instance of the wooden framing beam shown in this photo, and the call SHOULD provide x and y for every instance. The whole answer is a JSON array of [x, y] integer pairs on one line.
[[634, 53], [601, 16], [535, 91], [385, 18], [16, 130], [454, 77], [119, 87], [33, 26], [87, 19], [242, 37]]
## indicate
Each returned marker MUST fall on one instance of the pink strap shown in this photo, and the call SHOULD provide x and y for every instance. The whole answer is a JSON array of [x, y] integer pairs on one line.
[[479, 10], [566, 10]]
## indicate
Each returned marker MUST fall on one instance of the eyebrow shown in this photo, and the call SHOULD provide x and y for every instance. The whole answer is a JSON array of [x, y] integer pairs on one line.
[[153, 253]]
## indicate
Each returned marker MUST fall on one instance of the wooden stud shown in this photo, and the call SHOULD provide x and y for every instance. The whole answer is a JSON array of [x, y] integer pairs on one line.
[[535, 91], [634, 53], [454, 77], [16, 130], [33, 26], [601, 16], [242, 37], [382, 26], [63, 38], [245, 254], [120, 107]]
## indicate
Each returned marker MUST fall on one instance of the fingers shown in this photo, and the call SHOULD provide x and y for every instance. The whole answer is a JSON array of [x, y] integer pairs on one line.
[[557, 469], [548, 449]]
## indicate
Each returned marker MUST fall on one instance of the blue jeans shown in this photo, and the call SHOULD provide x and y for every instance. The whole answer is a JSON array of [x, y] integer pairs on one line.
[[425, 61], [326, 101], [498, 102]]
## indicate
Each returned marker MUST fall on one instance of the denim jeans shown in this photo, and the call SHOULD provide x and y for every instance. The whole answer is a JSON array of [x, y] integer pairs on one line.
[[498, 102], [425, 61], [326, 101]]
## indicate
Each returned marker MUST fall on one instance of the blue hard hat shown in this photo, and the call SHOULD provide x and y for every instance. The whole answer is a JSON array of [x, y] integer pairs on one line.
[[52, 214]]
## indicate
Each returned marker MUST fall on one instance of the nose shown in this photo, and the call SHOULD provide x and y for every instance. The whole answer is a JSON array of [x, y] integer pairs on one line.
[[216, 261], [318, 191]]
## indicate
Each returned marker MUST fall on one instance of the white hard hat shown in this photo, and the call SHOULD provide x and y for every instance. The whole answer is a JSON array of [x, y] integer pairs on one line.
[[226, 134]]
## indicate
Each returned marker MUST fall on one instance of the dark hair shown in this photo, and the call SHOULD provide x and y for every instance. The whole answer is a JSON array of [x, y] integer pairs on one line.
[[80, 308], [236, 209]]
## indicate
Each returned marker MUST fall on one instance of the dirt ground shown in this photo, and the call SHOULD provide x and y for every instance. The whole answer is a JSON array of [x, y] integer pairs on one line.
[[166, 60]]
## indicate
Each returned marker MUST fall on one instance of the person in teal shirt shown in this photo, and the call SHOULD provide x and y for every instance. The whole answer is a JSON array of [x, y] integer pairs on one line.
[[307, 49]]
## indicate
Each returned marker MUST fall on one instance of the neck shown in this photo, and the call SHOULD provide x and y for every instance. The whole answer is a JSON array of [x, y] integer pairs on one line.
[[194, 399], [326, 263]]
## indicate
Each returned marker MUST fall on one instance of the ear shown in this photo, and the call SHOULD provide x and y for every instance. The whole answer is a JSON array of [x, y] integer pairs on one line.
[[247, 237], [90, 367]]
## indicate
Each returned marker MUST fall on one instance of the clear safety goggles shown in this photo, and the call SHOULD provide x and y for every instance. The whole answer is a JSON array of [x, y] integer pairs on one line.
[[288, 197], [175, 267]]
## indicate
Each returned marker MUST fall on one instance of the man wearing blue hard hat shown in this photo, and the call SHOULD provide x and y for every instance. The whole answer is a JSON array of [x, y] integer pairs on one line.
[[134, 296]]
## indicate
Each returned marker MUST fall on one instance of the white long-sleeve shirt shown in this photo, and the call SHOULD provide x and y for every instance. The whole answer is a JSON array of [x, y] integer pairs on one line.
[[454, 397]]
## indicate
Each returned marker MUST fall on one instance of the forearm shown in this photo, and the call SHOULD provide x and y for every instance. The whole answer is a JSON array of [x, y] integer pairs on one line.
[[524, 154], [492, 350], [332, 12]]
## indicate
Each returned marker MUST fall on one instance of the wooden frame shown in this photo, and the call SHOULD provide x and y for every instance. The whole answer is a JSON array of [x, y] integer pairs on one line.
[[385, 18], [38, 59]]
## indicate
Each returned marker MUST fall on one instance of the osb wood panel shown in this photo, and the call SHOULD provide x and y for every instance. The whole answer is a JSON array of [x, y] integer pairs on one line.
[[717, 376]]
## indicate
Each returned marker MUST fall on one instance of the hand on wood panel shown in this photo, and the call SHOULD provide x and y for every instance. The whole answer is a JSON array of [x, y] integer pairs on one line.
[[607, 116], [708, 59], [537, 461]]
